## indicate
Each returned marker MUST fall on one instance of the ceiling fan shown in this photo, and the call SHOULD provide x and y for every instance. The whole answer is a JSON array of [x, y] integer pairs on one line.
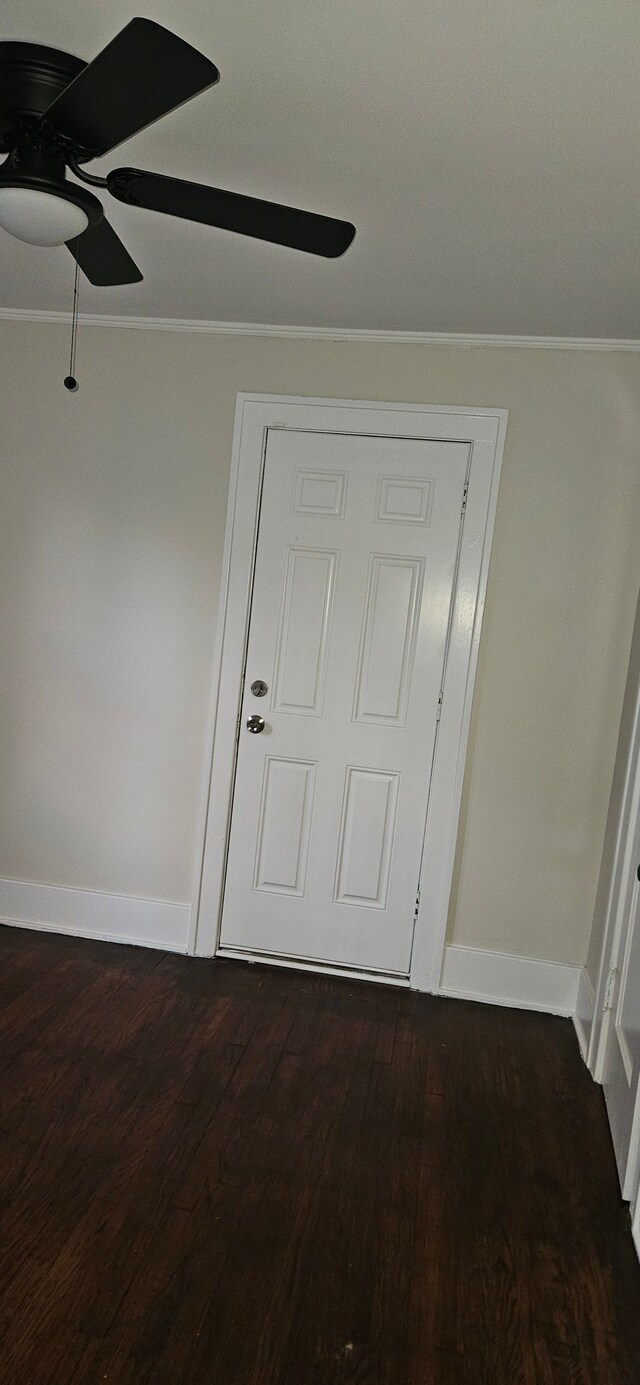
[[58, 112]]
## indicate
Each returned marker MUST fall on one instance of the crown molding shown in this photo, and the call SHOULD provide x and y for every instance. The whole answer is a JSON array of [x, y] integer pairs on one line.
[[374, 335]]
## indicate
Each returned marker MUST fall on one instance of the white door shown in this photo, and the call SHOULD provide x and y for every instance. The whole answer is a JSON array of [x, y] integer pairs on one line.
[[353, 586], [621, 1065]]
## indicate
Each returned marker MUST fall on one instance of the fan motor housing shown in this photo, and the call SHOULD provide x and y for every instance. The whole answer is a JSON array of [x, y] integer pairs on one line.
[[31, 77]]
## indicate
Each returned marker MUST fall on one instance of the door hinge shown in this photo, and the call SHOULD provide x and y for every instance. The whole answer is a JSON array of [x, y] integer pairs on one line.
[[415, 912], [439, 711], [464, 496], [611, 985]]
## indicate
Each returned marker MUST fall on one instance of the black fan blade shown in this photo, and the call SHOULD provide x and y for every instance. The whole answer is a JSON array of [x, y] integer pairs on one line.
[[102, 256], [142, 74], [319, 235]]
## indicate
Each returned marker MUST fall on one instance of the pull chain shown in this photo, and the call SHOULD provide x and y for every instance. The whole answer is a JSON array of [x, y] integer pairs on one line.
[[70, 382]]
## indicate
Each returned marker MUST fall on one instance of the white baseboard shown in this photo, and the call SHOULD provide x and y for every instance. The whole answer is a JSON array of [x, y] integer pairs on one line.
[[468, 973], [498, 978], [584, 1011], [91, 914]]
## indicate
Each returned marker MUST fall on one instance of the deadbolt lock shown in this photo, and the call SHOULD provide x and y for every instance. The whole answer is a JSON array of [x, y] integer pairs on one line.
[[259, 688]]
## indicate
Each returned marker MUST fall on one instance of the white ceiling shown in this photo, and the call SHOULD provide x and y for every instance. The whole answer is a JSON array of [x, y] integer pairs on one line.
[[487, 151]]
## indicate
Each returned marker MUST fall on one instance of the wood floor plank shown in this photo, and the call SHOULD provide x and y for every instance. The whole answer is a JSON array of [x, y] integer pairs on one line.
[[219, 1172]]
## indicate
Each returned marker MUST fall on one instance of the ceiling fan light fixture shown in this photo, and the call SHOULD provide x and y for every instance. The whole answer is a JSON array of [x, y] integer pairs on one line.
[[57, 112], [40, 218]]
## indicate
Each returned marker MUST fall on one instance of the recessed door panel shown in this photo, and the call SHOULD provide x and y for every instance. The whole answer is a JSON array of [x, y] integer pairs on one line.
[[366, 838], [404, 500], [389, 635], [285, 822], [320, 493], [301, 648]]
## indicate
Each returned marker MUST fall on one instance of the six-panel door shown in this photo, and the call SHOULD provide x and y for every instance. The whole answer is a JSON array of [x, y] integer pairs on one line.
[[353, 585]]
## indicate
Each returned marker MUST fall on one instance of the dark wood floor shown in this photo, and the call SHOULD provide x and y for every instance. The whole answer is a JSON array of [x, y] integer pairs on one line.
[[224, 1175]]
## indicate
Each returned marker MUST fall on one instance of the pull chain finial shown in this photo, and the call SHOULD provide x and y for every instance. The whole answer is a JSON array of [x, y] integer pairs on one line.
[[70, 382]]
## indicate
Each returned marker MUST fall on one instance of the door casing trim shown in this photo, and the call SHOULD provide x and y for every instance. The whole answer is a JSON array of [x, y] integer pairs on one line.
[[620, 882], [484, 429]]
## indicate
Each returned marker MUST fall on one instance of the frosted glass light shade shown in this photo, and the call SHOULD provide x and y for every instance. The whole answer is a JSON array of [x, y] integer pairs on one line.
[[40, 218]]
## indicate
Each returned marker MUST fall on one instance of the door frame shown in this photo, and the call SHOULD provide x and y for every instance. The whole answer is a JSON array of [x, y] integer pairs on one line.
[[620, 885], [619, 903], [484, 429]]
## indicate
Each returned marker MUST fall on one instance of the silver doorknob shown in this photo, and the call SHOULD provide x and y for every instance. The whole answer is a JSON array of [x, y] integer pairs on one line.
[[255, 724]]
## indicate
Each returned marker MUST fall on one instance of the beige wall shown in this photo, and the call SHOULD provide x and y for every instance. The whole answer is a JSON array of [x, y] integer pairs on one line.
[[111, 525]]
